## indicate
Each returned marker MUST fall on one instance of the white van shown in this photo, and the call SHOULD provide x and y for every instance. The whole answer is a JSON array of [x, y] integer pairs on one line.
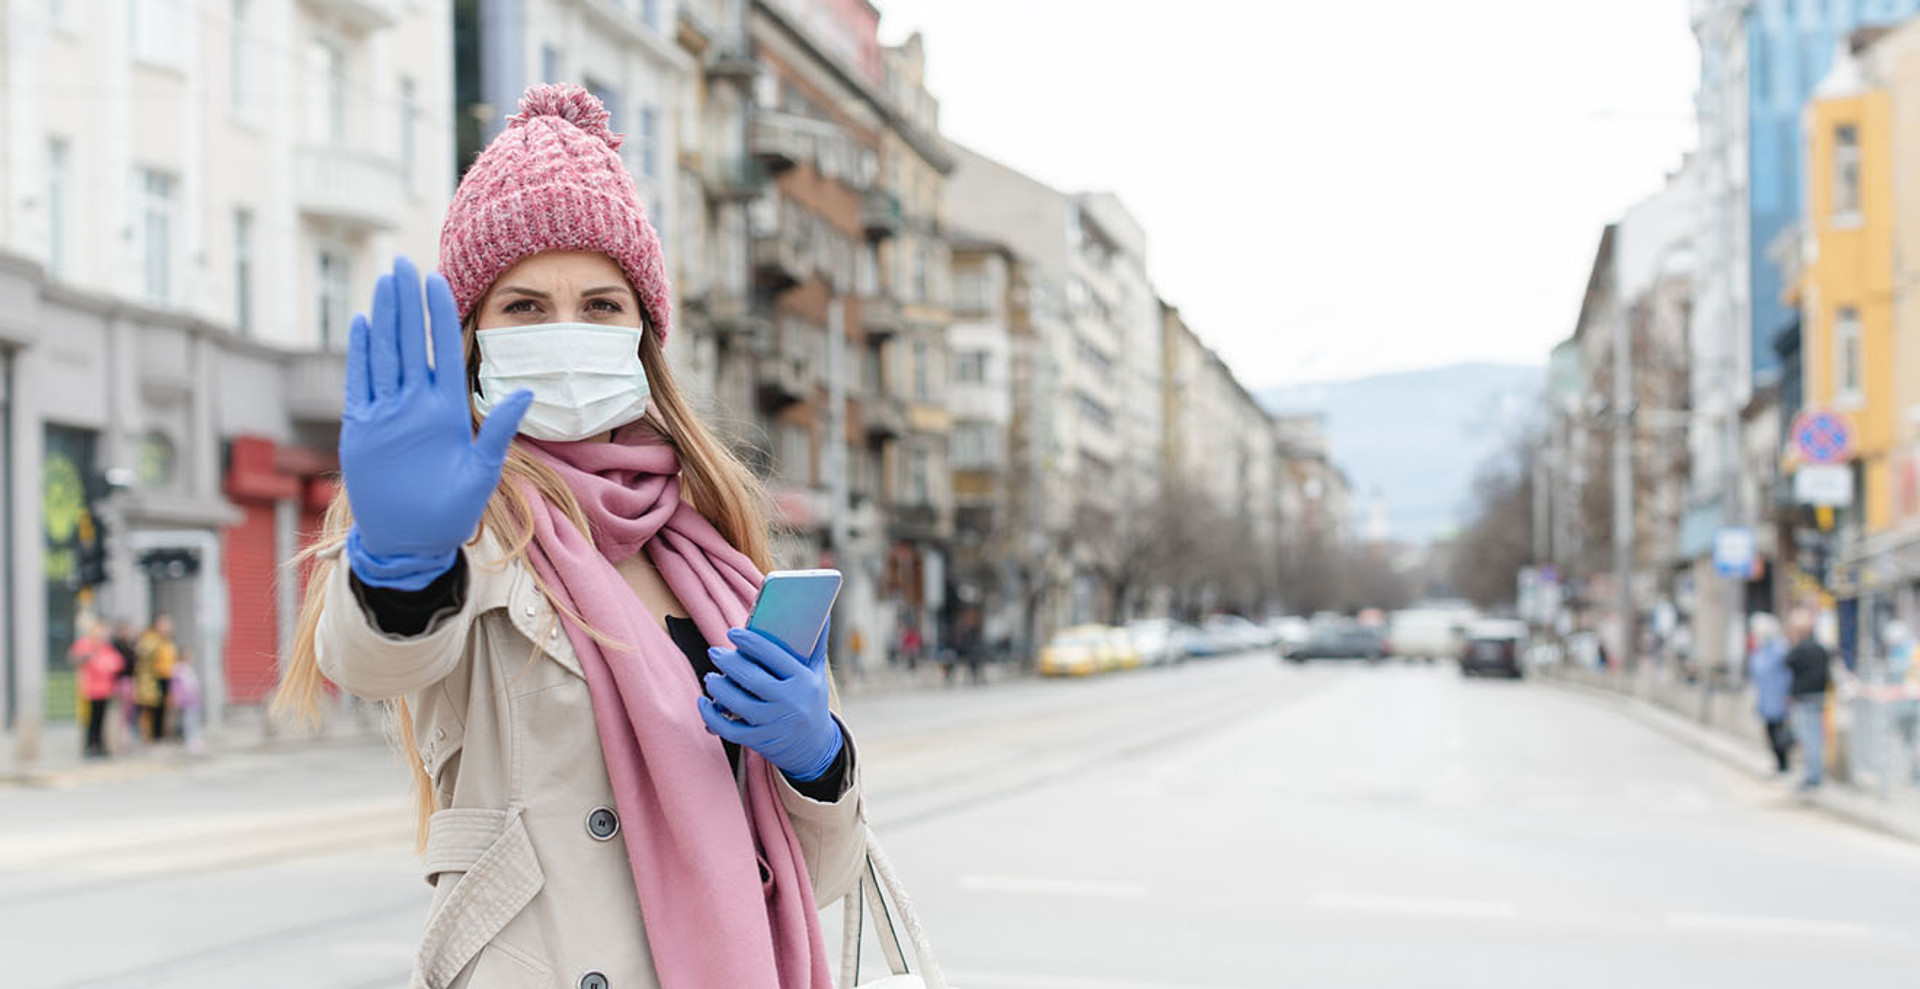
[[1428, 633]]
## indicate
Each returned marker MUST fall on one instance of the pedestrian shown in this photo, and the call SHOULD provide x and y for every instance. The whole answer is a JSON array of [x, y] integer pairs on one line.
[[1773, 683], [98, 665], [972, 646], [1903, 674], [190, 702], [155, 654], [530, 605], [910, 643], [123, 723], [1810, 664]]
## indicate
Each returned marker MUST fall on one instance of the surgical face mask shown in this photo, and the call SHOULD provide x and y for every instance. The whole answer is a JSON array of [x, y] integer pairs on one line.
[[585, 379]]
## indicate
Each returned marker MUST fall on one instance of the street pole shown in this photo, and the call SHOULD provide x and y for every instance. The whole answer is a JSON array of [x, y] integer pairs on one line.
[[1623, 521]]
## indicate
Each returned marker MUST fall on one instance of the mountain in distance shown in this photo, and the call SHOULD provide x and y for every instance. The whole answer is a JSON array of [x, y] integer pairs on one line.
[[1415, 439]]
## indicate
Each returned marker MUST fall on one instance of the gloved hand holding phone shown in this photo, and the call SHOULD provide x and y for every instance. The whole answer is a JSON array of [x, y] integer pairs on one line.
[[416, 475], [777, 702]]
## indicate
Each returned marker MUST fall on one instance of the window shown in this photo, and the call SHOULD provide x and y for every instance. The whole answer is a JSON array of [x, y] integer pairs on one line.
[[243, 272], [609, 97], [333, 313], [239, 61], [549, 63], [156, 234], [970, 291], [919, 478], [1847, 357], [650, 12], [1846, 172], [920, 271], [59, 191], [156, 29], [649, 150], [796, 455], [922, 372], [970, 367], [409, 130], [326, 93], [973, 446]]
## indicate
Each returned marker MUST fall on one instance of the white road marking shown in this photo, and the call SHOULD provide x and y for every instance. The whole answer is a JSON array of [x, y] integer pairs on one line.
[[1423, 906], [1749, 924], [1053, 887], [377, 949], [1015, 980]]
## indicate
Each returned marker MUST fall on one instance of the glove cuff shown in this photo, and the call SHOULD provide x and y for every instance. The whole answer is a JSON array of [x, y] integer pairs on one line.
[[405, 572], [825, 762]]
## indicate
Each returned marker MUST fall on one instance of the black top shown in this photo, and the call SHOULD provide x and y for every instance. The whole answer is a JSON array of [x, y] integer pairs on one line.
[[399, 612], [1809, 662]]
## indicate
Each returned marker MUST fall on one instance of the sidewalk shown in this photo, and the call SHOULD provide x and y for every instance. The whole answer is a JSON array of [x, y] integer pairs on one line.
[[246, 730], [1658, 705]]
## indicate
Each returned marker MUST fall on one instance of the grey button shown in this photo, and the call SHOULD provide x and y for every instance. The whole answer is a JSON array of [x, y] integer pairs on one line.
[[593, 980], [602, 824], [530, 610]]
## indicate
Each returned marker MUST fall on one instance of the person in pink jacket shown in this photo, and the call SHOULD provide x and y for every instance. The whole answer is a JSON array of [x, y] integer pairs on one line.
[[98, 664]]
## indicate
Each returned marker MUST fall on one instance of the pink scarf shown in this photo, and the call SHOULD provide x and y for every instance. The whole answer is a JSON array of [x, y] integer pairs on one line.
[[723, 887]]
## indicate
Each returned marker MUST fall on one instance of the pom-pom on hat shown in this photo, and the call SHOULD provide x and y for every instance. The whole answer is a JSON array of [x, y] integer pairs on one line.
[[552, 180]]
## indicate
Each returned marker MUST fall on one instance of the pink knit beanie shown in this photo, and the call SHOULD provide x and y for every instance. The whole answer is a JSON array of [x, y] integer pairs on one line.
[[553, 180]]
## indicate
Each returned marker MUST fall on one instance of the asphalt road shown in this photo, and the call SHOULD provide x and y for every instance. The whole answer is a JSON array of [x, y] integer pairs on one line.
[[1229, 824]]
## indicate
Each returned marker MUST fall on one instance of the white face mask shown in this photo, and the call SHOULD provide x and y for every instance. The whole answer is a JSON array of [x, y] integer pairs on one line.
[[585, 379]]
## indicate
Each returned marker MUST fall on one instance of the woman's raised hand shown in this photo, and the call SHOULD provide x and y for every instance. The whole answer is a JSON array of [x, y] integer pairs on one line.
[[416, 475]]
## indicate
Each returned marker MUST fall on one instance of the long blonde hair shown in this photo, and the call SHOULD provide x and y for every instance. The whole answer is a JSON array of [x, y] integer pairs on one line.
[[712, 479]]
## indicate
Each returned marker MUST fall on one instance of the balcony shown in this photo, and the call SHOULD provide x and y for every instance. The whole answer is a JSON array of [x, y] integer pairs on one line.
[[913, 521], [879, 214], [732, 62], [886, 418], [734, 179], [781, 380], [728, 314], [365, 16], [779, 262], [353, 188], [316, 386], [880, 317], [776, 142]]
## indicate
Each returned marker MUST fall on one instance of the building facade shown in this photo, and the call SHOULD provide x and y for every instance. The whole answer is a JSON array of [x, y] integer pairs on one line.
[[194, 204]]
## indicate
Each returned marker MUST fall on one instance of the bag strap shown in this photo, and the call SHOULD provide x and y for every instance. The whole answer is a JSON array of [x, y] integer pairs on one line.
[[879, 886]]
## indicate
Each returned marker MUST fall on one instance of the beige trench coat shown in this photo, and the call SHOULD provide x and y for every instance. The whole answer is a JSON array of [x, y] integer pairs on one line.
[[531, 885]]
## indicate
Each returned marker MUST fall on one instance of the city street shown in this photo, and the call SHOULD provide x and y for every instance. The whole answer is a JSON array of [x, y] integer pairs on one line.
[[1226, 824]]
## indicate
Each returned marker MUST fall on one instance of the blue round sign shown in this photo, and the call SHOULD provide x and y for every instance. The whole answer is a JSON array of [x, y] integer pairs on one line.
[[1823, 437]]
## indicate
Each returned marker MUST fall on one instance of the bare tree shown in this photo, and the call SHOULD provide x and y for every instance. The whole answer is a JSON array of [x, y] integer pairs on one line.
[[1489, 554]]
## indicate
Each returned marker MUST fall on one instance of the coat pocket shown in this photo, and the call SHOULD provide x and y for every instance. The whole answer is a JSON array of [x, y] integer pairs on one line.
[[489, 860]]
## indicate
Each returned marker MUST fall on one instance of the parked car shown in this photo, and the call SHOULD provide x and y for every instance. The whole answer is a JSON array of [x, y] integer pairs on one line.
[[1222, 634], [1121, 653], [1076, 651], [1289, 632], [1428, 633], [1494, 646], [1160, 641], [1345, 641]]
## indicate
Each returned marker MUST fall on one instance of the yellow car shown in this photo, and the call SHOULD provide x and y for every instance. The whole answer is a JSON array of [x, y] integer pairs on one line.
[[1076, 651], [1121, 653]]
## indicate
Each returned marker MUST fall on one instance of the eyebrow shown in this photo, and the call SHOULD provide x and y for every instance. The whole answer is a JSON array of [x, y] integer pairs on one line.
[[537, 294]]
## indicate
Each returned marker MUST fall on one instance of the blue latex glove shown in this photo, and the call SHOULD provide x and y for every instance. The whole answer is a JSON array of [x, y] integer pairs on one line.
[[416, 475], [780, 701]]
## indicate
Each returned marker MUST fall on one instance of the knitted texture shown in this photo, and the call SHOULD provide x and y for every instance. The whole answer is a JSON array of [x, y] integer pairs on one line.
[[552, 180]]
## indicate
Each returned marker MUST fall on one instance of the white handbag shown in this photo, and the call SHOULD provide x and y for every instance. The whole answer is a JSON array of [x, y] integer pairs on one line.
[[880, 889]]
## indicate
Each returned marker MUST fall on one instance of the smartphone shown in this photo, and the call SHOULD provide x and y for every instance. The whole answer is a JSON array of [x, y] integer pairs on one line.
[[793, 607]]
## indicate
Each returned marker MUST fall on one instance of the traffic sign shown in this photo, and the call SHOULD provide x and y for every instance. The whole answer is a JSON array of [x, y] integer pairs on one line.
[[1822, 437], [1829, 485], [1734, 551]]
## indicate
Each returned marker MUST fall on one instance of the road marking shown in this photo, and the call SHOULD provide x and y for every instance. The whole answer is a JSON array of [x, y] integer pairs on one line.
[[1053, 887], [1748, 924], [1415, 905], [1015, 980]]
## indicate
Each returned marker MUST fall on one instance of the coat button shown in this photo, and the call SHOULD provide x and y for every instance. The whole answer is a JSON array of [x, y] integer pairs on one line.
[[529, 611], [602, 824], [593, 980]]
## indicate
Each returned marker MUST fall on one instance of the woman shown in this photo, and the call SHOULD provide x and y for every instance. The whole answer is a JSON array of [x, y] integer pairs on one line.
[[535, 608], [155, 655], [1772, 680], [98, 665]]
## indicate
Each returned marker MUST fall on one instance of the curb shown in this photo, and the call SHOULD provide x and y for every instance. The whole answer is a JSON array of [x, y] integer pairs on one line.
[[1836, 799]]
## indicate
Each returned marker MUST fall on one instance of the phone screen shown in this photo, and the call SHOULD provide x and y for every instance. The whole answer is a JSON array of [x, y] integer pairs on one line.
[[793, 607]]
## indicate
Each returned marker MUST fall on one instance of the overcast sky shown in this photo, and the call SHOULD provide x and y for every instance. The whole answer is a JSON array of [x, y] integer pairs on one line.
[[1342, 187]]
